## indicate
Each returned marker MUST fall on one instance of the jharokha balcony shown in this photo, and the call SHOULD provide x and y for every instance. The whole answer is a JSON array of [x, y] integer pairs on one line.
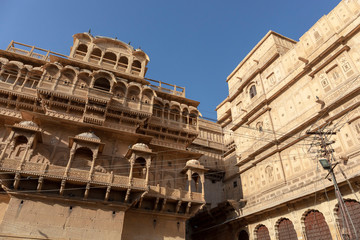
[[83, 178]]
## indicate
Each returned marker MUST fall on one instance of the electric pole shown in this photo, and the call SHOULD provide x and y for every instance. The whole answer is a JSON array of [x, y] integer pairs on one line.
[[328, 162]]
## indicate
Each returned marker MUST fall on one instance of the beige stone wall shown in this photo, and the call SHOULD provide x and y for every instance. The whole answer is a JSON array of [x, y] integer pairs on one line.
[[43, 218], [296, 212], [139, 226], [299, 86]]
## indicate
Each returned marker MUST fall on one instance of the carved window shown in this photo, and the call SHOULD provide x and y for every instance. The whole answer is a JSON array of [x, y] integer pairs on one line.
[[157, 110], [95, 56], [81, 51], [123, 63], [102, 84], [262, 233], [252, 91], [109, 59], [136, 67], [316, 226]]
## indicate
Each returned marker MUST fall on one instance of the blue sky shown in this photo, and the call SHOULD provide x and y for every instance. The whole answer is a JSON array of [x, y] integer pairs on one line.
[[193, 44]]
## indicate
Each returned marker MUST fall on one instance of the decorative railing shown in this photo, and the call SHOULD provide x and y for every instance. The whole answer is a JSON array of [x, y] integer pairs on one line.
[[99, 95], [32, 51], [166, 87], [9, 163], [120, 180], [177, 194], [101, 177], [137, 182], [78, 174]]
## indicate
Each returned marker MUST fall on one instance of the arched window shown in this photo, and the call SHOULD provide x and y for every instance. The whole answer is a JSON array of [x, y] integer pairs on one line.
[[286, 230], [174, 113], [252, 91], [81, 51], [353, 208], [136, 67], [133, 94], [95, 56], [316, 227], [102, 84], [123, 63], [157, 109], [109, 59], [33, 80], [193, 118], [120, 90], [9, 75], [243, 235], [262, 233], [185, 114]]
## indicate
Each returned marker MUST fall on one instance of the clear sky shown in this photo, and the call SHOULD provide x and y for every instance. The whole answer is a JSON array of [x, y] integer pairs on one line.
[[193, 44]]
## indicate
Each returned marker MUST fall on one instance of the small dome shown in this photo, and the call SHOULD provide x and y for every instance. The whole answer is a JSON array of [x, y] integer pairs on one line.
[[88, 135], [28, 124], [140, 146], [193, 162]]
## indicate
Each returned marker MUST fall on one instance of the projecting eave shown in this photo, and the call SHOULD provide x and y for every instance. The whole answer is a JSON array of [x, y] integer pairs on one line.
[[270, 33]]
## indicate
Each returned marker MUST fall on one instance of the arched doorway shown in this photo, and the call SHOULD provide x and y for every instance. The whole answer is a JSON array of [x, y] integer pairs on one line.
[[316, 227], [286, 230], [262, 233], [353, 208], [243, 235]]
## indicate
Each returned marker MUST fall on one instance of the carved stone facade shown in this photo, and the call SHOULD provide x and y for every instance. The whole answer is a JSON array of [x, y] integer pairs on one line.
[[91, 149], [274, 186]]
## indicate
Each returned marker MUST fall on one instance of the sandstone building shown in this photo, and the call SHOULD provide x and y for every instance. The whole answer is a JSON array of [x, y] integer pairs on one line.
[[91, 149], [281, 90]]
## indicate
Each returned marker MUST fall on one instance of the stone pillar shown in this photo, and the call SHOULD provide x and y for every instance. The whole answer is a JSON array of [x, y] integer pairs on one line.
[[148, 164], [142, 70], [74, 48], [95, 154], [89, 51], [117, 60], [132, 161], [71, 157], [189, 174], [42, 78], [76, 79], [62, 187], [108, 189], [17, 180], [17, 78], [25, 80], [87, 190], [202, 179], [101, 58], [40, 183], [130, 62]]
